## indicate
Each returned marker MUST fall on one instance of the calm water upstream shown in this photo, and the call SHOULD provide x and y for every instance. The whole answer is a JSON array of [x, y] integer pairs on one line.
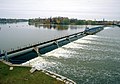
[[21, 34], [94, 59]]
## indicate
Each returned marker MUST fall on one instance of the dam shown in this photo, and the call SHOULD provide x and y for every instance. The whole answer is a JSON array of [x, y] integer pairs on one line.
[[27, 53]]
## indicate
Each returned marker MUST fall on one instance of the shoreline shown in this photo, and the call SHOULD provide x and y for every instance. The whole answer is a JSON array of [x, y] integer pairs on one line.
[[49, 73]]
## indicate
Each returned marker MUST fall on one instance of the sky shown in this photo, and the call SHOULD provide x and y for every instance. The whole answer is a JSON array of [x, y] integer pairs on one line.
[[81, 9]]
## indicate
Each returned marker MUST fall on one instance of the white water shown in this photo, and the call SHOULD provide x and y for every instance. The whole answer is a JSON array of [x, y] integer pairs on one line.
[[94, 59]]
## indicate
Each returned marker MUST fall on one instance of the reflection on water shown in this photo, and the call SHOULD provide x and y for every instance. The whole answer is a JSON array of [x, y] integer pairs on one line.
[[22, 34], [57, 27]]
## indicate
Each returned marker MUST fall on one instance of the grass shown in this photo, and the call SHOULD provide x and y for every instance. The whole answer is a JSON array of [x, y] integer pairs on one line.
[[22, 75]]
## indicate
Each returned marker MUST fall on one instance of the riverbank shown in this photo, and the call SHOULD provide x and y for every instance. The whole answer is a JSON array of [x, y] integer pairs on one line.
[[22, 75]]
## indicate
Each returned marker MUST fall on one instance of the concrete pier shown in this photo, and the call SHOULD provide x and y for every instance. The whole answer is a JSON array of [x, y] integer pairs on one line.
[[68, 38], [56, 42], [37, 50]]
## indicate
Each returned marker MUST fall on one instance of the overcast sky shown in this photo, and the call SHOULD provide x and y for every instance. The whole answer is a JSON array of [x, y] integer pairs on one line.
[[81, 9]]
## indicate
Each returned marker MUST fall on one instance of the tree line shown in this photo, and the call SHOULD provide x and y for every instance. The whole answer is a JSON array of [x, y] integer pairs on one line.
[[67, 21]]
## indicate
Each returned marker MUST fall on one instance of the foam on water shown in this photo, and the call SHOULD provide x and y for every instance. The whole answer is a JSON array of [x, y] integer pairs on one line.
[[39, 62], [94, 59], [107, 27], [65, 51]]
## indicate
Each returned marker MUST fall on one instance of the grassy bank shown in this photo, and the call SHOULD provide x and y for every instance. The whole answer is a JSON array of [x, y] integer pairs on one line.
[[22, 75]]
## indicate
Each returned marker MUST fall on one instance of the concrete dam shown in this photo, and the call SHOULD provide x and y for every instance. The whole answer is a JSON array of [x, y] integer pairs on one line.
[[27, 53]]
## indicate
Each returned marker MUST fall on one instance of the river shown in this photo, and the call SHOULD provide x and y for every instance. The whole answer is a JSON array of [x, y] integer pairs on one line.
[[93, 59], [16, 35]]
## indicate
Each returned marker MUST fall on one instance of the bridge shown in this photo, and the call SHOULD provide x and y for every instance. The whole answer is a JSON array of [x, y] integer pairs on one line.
[[24, 54]]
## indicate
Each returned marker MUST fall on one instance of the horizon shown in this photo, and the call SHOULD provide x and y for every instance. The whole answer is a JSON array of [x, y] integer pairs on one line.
[[85, 10], [63, 17]]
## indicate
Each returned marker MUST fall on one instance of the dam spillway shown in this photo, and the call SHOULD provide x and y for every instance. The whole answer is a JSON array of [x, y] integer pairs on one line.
[[27, 53]]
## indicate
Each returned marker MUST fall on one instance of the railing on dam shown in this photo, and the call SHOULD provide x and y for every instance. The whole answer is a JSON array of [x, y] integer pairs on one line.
[[24, 54]]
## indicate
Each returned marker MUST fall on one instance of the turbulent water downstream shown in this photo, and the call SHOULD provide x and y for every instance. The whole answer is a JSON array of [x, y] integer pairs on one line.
[[94, 59]]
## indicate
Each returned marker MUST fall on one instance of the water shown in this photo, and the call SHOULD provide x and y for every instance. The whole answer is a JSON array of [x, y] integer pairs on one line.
[[94, 59], [21, 34]]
